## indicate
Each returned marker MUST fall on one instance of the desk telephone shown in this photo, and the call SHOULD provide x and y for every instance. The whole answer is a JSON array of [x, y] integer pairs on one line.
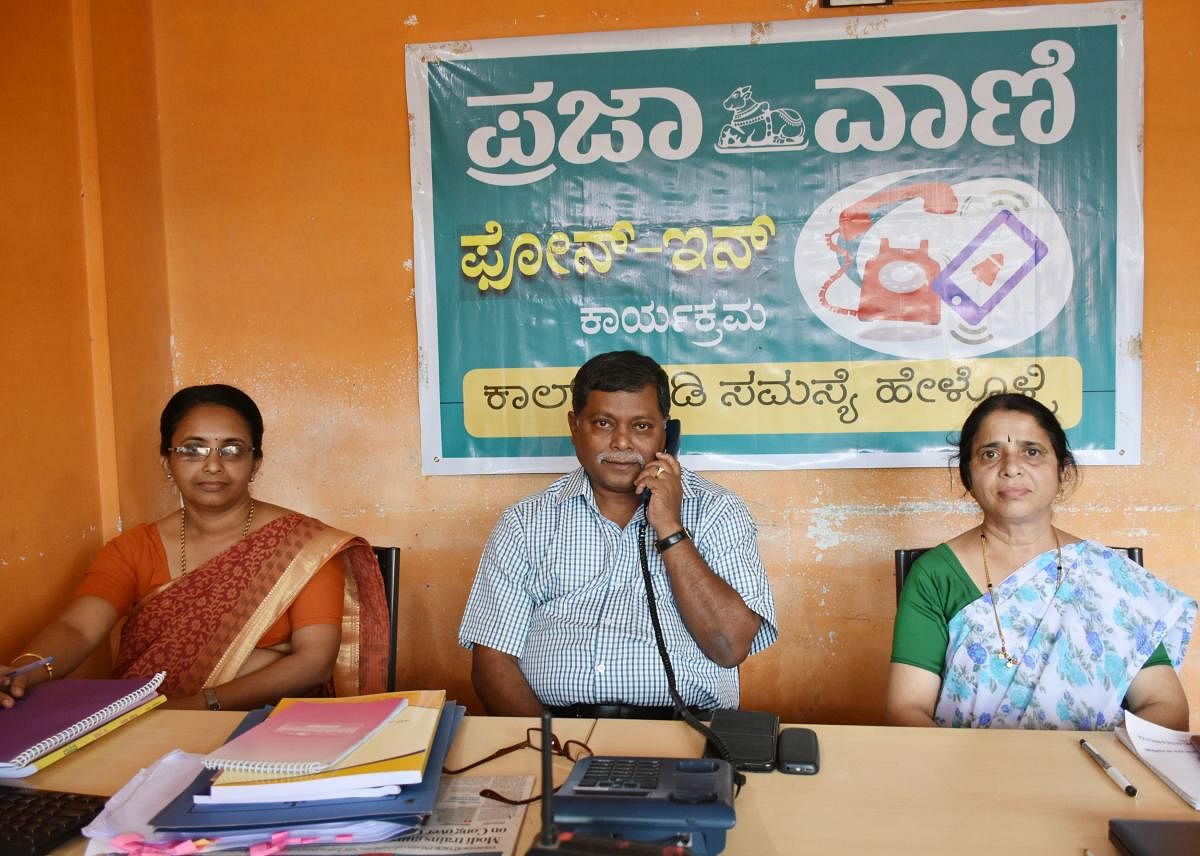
[[669, 802], [635, 806]]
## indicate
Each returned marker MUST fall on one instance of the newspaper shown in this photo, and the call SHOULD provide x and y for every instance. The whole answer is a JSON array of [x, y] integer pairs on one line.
[[1170, 754], [462, 824]]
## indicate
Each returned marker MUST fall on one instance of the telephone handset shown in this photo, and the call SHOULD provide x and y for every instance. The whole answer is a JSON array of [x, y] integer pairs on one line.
[[673, 431], [671, 448]]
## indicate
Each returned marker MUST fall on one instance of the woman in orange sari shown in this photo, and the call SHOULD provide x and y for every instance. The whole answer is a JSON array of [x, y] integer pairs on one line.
[[240, 602]]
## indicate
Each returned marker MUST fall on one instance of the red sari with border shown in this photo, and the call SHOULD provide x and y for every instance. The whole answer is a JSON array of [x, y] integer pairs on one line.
[[201, 627]]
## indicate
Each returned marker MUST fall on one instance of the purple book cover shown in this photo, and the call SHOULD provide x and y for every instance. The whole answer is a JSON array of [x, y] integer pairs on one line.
[[52, 708]]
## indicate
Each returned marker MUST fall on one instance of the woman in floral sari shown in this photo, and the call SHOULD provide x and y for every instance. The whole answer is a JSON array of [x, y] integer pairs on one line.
[[1018, 624], [239, 601]]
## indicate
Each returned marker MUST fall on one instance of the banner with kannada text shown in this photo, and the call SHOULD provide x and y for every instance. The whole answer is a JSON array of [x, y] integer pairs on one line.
[[836, 235]]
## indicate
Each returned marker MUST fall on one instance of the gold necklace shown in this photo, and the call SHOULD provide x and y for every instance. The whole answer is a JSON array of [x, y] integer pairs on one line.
[[183, 534], [1009, 660]]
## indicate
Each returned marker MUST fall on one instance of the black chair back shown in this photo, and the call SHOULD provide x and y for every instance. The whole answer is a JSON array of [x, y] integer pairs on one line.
[[389, 565], [905, 559]]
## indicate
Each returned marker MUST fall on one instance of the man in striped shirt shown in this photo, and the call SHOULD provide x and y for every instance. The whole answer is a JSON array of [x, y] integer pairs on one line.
[[558, 614]]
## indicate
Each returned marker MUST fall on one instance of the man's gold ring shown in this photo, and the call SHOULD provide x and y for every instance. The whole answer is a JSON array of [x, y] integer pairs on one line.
[[661, 470]]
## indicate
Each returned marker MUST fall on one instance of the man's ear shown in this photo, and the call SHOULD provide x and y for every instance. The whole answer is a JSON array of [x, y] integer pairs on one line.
[[572, 422]]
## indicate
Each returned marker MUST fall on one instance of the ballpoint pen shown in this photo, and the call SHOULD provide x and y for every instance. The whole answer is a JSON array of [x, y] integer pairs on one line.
[[29, 667], [1113, 773]]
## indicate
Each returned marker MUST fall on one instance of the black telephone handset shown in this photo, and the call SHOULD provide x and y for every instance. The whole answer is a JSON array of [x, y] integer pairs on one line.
[[673, 431], [671, 448]]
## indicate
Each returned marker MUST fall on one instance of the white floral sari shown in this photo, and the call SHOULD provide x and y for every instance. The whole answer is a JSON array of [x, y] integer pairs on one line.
[[1079, 644]]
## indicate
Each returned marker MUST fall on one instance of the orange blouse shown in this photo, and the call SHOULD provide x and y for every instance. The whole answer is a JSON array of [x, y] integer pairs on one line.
[[134, 564]]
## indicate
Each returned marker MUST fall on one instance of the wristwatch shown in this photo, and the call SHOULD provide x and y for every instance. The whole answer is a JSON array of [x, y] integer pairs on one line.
[[210, 698], [664, 544]]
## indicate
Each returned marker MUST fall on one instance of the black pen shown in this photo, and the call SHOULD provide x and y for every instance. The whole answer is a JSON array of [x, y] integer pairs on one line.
[[1113, 773]]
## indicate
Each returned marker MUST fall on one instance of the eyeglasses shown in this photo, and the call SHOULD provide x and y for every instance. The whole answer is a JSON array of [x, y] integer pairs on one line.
[[228, 452], [572, 750]]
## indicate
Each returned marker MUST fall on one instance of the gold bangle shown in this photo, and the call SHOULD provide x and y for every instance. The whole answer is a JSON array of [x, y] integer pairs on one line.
[[49, 668]]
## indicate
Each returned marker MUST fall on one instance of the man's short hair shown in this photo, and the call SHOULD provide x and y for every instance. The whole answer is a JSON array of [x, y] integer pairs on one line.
[[620, 371]]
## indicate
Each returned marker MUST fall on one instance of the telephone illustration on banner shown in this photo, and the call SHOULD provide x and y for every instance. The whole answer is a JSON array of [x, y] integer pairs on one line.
[[915, 265], [897, 282]]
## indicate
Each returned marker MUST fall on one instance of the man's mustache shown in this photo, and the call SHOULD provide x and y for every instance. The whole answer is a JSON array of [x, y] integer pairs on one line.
[[621, 458]]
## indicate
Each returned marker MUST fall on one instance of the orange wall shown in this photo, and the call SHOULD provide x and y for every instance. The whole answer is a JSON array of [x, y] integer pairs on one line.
[[134, 248], [50, 512], [286, 247]]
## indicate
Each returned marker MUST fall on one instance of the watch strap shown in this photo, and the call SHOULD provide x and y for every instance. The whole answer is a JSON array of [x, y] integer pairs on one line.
[[664, 544]]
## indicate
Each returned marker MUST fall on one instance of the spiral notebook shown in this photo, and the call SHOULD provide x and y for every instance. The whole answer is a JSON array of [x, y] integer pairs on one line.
[[305, 737], [56, 713]]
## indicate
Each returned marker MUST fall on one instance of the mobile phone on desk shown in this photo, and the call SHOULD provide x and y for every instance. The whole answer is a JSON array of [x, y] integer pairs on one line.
[[799, 751], [749, 735]]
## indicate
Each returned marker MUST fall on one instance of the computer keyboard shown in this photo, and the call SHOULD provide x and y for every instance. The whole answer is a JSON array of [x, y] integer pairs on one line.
[[33, 822], [632, 776]]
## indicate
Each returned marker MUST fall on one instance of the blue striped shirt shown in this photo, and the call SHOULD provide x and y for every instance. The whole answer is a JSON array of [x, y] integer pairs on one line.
[[560, 588]]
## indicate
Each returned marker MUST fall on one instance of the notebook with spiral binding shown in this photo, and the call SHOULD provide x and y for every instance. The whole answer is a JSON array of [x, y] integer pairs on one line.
[[56, 713], [305, 737]]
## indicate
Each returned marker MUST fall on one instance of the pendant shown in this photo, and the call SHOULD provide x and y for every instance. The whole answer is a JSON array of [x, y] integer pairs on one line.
[[1010, 662]]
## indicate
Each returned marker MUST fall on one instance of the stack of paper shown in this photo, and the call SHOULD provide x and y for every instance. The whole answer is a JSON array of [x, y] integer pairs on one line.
[[1170, 754], [396, 753], [158, 809], [326, 811]]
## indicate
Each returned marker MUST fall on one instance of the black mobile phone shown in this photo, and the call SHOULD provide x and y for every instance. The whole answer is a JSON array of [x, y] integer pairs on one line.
[[799, 751], [749, 735]]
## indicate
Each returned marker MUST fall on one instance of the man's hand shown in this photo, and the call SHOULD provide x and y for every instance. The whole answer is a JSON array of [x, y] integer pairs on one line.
[[662, 476]]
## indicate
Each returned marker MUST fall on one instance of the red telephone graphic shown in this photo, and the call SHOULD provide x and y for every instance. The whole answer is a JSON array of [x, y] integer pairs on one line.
[[896, 282]]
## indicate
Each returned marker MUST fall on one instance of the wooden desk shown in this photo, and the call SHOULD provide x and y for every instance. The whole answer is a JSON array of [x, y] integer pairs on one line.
[[926, 790], [880, 790]]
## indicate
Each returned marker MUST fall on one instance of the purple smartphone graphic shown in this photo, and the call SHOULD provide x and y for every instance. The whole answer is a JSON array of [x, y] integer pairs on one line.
[[959, 300]]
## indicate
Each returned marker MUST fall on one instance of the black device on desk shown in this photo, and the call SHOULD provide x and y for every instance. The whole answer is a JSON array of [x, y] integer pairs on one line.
[[35, 821], [749, 736], [799, 751], [1144, 837]]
